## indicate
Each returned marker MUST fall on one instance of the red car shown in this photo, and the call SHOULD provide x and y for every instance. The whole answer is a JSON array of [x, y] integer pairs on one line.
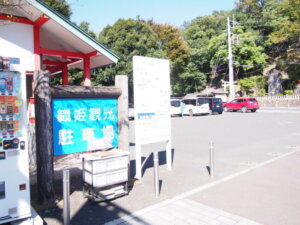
[[243, 104]]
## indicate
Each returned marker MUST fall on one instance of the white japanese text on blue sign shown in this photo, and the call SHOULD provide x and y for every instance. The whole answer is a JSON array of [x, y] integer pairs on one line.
[[84, 124]]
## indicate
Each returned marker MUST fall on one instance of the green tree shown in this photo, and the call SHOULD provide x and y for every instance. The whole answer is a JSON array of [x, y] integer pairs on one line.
[[174, 45], [252, 12], [190, 81], [127, 38], [60, 6], [249, 54], [286, 24], [207, 38], [199, 33], [255, 85], [85, 26]]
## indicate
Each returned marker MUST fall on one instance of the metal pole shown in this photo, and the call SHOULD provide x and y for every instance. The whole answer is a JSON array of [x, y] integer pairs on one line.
[[231, 78], [66, 193], [169, 154], [156, 178], [211, 154]]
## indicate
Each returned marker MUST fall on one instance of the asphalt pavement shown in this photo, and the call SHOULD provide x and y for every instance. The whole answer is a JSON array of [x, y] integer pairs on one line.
[[256, 175], [267, 193]]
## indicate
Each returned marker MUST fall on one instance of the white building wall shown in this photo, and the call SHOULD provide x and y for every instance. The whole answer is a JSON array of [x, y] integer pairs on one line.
[[16, 40]]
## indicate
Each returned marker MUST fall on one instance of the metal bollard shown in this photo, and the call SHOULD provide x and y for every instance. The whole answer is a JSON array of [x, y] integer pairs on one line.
[[66, 193], [156, 177], [211, 154]]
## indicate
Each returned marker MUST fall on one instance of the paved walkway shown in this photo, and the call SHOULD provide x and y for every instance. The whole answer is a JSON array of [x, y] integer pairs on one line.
[[184, 211], [255, 193]]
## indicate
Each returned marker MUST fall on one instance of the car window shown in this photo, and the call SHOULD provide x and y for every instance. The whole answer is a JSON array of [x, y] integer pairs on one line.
[[234, 101], [252, 100], [241, 100], [202, 100], [216, 100], [190, 101], [175, 103]]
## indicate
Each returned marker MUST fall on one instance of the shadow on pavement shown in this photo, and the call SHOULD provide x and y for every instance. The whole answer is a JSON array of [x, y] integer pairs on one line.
[[84, 211], [89, 213]]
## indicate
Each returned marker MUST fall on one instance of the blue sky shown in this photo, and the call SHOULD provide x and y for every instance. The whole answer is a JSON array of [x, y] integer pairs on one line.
[[100, 13]]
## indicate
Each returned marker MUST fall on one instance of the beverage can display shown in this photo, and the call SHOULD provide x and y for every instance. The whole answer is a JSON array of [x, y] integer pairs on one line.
[[10, 109], [10, 127], [2, 83], [9, 84], [2, 109]]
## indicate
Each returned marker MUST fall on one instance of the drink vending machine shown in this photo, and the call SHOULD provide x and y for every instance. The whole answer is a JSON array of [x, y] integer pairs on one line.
[[14, 168]]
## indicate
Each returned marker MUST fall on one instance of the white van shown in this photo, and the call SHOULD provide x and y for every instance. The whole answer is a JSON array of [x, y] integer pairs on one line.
[[195, 105], [175, 107]]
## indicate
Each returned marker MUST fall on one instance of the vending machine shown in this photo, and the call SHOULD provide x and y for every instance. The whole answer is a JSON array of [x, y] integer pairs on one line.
[[14, 168]]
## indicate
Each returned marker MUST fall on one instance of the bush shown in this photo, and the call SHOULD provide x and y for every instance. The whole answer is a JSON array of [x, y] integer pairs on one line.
[[288, 92], [262, 92]]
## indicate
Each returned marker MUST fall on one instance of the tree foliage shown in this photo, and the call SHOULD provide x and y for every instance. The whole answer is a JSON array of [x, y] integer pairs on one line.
[[200, 33], [279, 23], [190, 81], [207, 37], [173, 45], [60, 6], [267, 32], [255, 85], [85, 26], [127, 38]]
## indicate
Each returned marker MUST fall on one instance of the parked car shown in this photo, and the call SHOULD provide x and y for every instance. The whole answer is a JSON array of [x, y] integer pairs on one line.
[[176, 107], [215, 105], [195, 105], [242, 104]]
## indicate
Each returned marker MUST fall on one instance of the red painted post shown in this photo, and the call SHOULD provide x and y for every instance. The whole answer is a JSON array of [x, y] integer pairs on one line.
[[65, 75], [87, 71], [37, 56]]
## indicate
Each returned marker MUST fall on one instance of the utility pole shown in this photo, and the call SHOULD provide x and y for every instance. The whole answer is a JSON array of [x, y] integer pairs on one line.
[[230, 64]]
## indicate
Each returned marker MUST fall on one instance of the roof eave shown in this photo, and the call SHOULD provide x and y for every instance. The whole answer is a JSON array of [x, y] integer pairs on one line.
[[74, 29]]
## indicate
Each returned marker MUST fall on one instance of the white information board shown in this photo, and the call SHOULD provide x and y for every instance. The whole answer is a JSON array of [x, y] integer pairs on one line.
[[151, 78], [152, 99]]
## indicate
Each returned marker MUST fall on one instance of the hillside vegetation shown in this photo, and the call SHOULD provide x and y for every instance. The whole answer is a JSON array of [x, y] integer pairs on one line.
[[265, 35]]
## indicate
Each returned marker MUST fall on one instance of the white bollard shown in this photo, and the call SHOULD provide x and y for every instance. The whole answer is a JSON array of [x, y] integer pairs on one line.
[[66, 195], [211, 154], [156, 177]]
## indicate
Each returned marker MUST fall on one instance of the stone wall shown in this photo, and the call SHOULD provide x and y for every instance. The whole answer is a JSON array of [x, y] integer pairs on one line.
[[279, 101]]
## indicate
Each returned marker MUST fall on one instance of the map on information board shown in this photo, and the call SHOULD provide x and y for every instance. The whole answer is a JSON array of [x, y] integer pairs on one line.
[[151, 78]]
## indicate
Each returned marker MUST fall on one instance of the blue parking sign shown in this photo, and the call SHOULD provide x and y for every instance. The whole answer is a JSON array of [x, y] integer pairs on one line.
[[81, 125]]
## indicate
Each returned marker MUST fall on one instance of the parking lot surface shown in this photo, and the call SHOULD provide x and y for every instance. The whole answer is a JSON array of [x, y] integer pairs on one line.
[[243, 143]]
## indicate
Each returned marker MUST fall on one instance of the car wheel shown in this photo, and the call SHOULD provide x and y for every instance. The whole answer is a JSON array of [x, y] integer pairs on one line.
[[225, 109], [191, 112], [220, 113], [253, 110], [244, 109]]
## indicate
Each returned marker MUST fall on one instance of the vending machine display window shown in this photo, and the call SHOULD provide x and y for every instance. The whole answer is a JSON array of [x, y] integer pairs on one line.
[[14, 186], [10, 104]]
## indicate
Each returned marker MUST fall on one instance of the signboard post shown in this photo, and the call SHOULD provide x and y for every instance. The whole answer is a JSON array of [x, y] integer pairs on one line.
[[152, 105]]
